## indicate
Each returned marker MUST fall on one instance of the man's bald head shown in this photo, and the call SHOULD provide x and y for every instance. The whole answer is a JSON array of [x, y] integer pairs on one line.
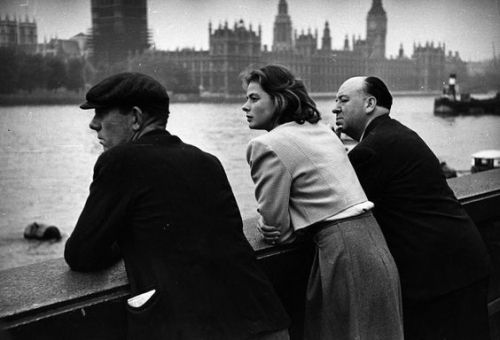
[[359, 101]]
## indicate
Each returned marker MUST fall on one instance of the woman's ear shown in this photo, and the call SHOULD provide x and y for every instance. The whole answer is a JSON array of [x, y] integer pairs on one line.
[[137, 118]]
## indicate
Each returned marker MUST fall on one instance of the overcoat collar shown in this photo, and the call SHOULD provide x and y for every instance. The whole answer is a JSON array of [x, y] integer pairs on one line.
[[157, 136], [374, 123]]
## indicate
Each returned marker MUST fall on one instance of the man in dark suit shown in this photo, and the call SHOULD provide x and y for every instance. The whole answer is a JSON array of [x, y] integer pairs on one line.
[[167, 208], [441, 258]]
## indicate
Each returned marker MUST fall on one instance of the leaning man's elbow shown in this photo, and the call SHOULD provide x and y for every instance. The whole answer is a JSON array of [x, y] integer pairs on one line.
[[86, 260], [77, 263], [73, 260]]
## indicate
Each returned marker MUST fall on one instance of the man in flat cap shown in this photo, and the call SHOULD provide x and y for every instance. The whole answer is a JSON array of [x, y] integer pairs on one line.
[[167, 208]]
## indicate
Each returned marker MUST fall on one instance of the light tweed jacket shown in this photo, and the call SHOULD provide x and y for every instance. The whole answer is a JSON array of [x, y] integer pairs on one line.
[[302, 176]]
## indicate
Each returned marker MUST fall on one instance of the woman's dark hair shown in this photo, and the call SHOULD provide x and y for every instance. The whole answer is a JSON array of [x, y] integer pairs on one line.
[[376, 87], [287, 92]]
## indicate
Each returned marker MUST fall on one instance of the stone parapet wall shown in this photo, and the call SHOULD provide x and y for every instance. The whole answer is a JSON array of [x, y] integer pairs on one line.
[[49, 301]]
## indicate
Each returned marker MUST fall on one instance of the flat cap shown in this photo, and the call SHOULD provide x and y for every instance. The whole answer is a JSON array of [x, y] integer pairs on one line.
[[127, 89]]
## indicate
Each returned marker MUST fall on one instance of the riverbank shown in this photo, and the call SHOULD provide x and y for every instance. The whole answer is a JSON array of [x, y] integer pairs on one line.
[[41, 98], [75, 98]]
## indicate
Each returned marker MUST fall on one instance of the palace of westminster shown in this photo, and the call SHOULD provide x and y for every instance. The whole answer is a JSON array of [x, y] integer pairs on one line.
[[119, 32]]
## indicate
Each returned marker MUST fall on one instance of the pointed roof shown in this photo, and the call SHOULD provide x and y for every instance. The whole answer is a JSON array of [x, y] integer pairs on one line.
[[283, 7], [377, 8]]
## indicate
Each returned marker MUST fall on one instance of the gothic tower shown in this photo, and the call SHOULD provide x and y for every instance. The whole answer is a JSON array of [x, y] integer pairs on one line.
[[282, 37], [326, 40], [119, 28], [376, 30]]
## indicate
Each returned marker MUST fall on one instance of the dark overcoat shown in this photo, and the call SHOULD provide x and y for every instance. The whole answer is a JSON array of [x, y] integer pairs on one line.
[[168, 209], [436, 246]]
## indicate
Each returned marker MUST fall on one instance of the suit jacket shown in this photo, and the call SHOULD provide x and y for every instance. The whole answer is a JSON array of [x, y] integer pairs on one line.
[[302, 176], [168, 208], [435, 244]]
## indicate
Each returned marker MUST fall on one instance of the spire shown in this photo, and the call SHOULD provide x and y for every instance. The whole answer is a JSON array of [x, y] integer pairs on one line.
[[377, 8], [282, 33], [327, 40], [283, 7]]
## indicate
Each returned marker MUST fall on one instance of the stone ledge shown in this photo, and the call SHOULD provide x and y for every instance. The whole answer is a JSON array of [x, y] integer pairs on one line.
[[32, 293], [49, 288]]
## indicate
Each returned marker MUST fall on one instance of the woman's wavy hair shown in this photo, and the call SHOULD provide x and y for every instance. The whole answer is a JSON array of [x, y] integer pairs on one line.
[[287, 92]]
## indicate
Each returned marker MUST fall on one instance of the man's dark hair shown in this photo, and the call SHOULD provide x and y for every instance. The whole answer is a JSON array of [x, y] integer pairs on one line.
[[377, 88], [287, 92], [153, 111]]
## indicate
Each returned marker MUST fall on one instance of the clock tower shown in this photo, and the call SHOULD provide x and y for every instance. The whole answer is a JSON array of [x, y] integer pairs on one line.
[[282, 38], [376, 30]]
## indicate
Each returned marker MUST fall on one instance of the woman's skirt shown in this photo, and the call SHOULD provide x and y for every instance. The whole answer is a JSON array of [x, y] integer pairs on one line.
[[353, 290]]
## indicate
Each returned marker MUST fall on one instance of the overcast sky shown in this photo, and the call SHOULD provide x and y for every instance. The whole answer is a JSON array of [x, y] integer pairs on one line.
[[471, 27]]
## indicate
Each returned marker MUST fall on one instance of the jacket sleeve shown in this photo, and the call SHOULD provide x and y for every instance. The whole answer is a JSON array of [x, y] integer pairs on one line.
[[272, 187], [92, 244]]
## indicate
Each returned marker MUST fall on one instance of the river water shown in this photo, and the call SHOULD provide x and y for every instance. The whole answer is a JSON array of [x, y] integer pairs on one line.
[[47, 155]]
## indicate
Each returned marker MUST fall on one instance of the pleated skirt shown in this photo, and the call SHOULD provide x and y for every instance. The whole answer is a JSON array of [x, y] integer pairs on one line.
[[353, 290]]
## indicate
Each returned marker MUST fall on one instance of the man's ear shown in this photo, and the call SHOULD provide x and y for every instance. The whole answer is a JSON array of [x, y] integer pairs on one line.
[[137, 118], [371, 103]]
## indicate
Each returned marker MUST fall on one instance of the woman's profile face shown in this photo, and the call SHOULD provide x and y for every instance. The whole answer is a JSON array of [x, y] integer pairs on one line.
[[259, 108]]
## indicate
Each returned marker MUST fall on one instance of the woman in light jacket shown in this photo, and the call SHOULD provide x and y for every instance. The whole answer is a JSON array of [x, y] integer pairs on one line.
[[305, 183]]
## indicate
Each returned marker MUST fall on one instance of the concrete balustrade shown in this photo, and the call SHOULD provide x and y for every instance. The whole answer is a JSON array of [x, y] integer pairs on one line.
[[49, 301]]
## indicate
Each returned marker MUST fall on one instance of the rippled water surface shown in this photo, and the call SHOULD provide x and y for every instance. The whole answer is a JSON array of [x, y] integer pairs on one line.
[[47, 154]]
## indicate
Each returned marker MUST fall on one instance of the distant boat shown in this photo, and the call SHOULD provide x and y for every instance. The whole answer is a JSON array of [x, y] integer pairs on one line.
[[485, 160], [452, 103]]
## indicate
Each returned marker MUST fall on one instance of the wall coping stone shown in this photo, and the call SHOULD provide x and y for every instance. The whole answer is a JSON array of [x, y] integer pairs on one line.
[[49, 288]]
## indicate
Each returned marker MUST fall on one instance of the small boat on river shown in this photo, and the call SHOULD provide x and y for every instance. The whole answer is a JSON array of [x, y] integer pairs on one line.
[[452, 102], [485, 160]]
